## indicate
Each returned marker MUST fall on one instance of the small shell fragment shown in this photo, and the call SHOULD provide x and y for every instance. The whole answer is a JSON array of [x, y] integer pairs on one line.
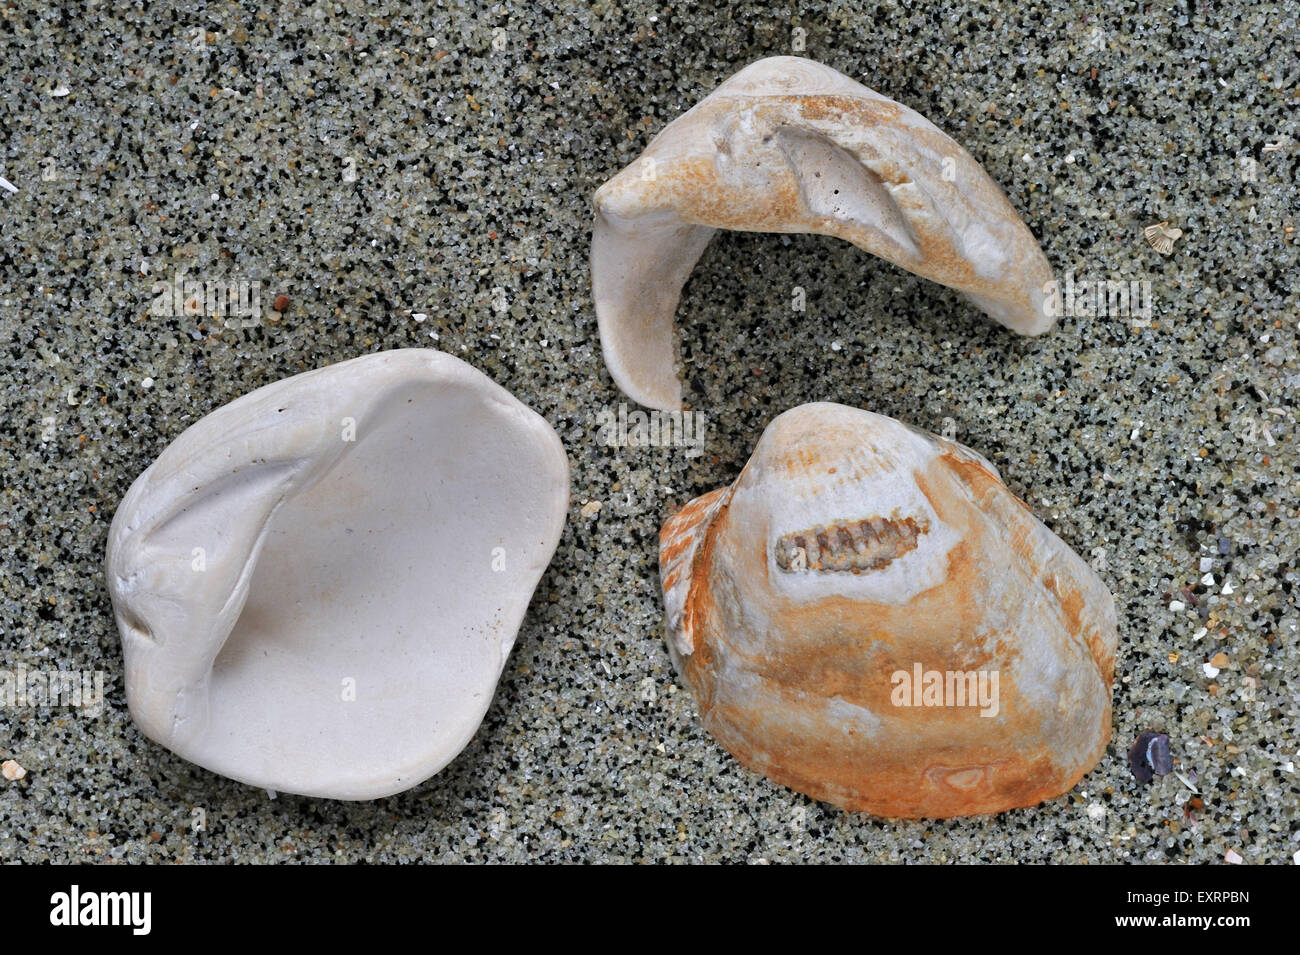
[[1149, 756], [1162, 238], [12, 771]]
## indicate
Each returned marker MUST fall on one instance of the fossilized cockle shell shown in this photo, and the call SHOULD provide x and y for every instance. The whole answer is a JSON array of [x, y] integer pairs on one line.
[[870, 617], [318, 584], [790, 145]]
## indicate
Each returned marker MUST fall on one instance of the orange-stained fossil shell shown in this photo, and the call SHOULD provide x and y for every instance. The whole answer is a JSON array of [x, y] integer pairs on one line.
[[870, 617], [790, 145]]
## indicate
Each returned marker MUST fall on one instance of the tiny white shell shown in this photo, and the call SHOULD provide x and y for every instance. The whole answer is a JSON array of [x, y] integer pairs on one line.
[[1162, 238]]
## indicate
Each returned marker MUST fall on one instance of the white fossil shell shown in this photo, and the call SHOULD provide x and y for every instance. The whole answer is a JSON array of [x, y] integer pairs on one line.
[[790, 145], [852, 550], [318, 584], [1162, 238]]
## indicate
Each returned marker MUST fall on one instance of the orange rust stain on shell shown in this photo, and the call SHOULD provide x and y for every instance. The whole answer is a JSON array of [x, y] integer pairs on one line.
[[673, 545], [678, 531], [980, 479], [858, 110], [937, 782], [1070, 601], [699, 600], [804, 461], [1104, 656], [693, 188]]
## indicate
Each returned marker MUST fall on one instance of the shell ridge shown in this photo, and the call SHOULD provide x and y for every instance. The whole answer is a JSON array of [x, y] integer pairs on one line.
[[681, 546]]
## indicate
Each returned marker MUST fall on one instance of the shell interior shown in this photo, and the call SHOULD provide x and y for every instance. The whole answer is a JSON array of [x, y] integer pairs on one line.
[[318, 585]]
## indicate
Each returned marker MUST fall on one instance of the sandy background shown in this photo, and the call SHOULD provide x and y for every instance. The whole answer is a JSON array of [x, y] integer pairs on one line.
[[229, 156]]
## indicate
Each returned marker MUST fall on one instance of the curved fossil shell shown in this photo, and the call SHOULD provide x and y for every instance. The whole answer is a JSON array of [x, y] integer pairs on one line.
[[853, 549], [318, 584], [790, 145]]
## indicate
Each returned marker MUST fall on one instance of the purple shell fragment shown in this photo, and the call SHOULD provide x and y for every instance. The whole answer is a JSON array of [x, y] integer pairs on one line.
[[1149, 756], [1158, 755]]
